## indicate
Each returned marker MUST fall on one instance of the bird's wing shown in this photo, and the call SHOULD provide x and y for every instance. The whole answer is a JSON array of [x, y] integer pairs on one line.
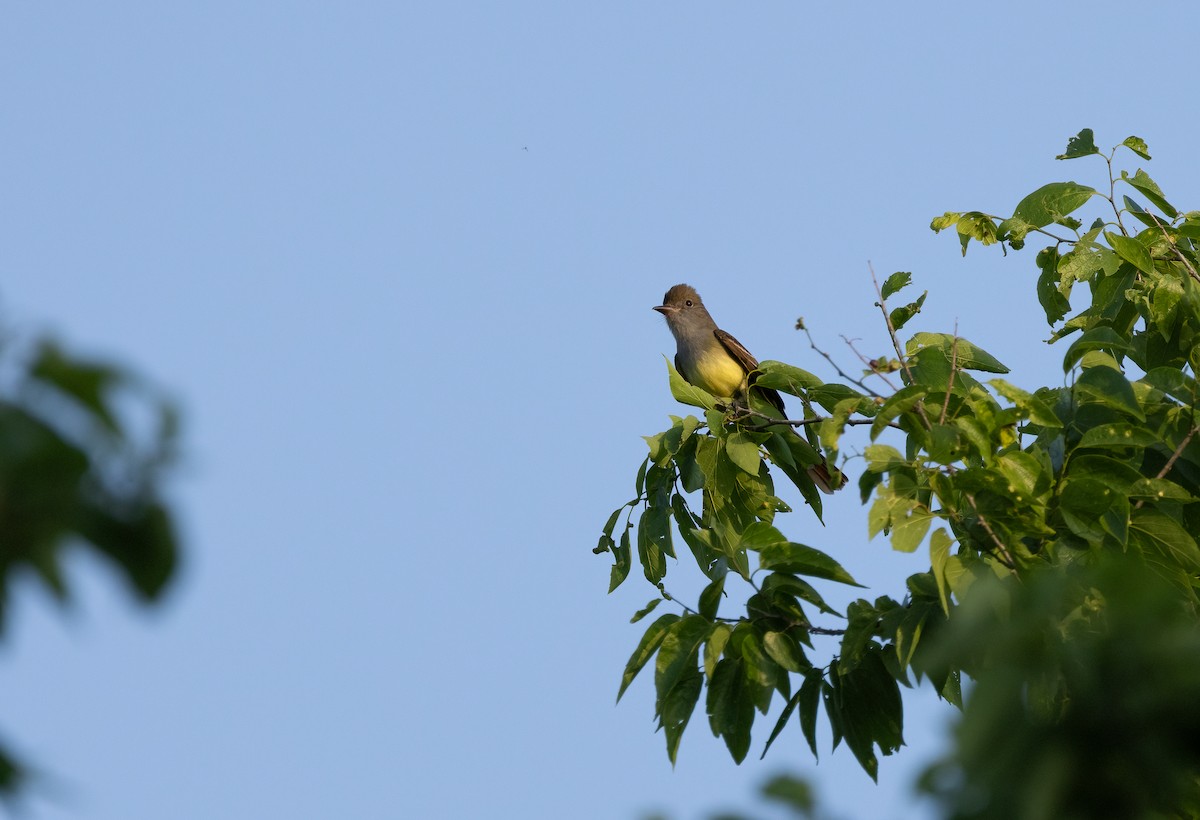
[[743, 357]]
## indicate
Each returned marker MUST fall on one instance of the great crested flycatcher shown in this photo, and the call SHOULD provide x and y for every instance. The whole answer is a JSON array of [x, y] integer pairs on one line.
[[717, 363]]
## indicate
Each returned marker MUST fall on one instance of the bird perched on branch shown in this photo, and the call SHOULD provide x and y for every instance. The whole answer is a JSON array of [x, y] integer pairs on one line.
[[713, 360]]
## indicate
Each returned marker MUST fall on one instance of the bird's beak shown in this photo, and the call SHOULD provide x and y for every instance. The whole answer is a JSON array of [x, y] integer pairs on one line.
[[665, 310]]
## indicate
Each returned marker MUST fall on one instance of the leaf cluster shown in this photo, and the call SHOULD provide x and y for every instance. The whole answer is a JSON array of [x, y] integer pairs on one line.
[[1052, 492]]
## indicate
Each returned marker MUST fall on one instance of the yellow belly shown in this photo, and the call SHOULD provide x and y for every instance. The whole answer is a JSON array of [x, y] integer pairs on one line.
[[719, 374]]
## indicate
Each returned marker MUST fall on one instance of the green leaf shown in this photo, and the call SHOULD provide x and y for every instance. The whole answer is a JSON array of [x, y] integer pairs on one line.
[[1149, 189], [714, 646], [900, 316], [810, 698], [654, 532], [677, 707], [730, 707], [1131, 250], [687, 393], [1108, 387], [646, 610], [939, 557], [883, 457], [1024, 474], [908, 531], [1098, 338], [678, 653], [895, 283], [1053, 301], [622, 561], [977, 226], [799, 559], [1158, 533], [1138, 146], [1118, 435], [743, 451], [1174, 382], [866, 706], [966, 355], [791, 380], [651, 640], [1140, 213], [785, 651], [975, 433], [784, 717], [897, 404], [1160, 489], [1091, 509], [1080, 145], [1031, 406], [1052, 202], [710, 598], [640, 481], [762, 673], [946, 220], [782, 583]]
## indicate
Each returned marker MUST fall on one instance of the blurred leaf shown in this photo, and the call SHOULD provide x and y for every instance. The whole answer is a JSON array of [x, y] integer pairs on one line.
[[792, 792], [85, 382]]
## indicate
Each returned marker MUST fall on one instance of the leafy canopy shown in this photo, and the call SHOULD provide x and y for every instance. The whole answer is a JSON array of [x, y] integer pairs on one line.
[[1059, 523]]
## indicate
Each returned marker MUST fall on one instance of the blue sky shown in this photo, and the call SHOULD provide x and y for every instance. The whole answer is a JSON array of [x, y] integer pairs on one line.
[[396, 262]]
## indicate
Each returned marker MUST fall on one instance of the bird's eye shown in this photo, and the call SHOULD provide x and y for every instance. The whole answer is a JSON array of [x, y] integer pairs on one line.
[[688, 303]]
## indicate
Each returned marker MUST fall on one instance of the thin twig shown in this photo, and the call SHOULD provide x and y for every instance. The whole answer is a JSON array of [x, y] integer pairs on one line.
[[1112, 193], [746, 411], [791, 622], [1178, 451], [1004, 556], [867, 362], [834, 364], [896, 343]]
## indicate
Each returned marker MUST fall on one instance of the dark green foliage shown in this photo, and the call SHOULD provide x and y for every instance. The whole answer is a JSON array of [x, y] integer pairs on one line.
[[76, 472]]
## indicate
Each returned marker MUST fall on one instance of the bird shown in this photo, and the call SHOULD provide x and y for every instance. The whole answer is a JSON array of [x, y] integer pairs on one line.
[[716, 362]]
